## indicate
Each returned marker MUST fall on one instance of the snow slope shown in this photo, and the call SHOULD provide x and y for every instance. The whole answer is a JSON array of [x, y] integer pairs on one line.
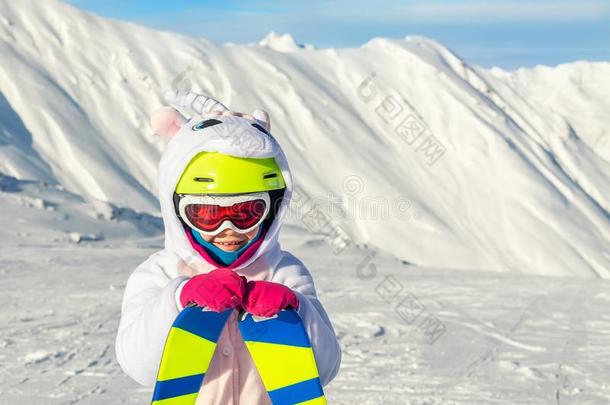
[[36, 213], [508, 339], [410, 335], [408, 147]]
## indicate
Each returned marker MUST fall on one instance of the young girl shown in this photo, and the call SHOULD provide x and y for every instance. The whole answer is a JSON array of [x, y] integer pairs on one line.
[[224, 189]]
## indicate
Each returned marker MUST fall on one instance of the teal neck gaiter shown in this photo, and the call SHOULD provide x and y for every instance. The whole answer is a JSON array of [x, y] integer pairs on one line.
[[219, 255]]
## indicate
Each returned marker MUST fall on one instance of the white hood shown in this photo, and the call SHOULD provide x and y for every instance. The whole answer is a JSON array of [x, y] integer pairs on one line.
[[235, 136]]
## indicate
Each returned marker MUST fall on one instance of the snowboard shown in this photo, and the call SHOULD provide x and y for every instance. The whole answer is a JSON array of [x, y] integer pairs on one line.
[[188, 351], [282, 353]]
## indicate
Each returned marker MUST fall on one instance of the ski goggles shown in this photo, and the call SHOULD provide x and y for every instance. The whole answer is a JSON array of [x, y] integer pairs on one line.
[[212, 214]]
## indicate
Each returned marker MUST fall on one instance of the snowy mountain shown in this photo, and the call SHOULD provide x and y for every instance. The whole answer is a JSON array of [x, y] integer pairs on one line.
[[408, 147], [434, 164], [41, 214]]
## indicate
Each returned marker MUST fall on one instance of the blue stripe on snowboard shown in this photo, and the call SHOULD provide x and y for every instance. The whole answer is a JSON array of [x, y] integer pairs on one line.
[[206, 324], [284, 333], [177, 386], [299, 392]]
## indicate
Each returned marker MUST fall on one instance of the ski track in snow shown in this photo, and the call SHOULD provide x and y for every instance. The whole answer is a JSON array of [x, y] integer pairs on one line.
[[508, 339]]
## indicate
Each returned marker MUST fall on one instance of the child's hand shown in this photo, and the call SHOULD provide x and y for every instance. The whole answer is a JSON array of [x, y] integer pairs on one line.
[[265, 298], [217, 290]]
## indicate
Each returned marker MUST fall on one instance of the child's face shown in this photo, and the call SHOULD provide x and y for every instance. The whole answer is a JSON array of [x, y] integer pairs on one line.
[[229, 240]]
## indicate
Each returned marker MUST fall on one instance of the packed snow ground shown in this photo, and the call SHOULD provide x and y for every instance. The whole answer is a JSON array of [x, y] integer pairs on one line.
[[506, 340], [410, 335]]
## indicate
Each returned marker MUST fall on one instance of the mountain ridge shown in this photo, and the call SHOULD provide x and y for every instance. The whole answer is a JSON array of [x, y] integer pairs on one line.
[[519, 185]]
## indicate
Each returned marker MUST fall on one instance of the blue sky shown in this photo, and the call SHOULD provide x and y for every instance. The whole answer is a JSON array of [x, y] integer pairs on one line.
[[508, 34]]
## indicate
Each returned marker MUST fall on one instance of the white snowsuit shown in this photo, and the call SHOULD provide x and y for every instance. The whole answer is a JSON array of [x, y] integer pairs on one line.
[[151, 300]]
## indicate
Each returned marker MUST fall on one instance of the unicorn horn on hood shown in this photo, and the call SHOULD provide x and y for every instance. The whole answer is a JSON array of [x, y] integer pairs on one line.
[[198, 103], [167, 120]]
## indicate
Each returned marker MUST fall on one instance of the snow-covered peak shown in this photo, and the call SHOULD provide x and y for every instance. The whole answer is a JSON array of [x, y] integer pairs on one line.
[[280, 43], [438, 162]]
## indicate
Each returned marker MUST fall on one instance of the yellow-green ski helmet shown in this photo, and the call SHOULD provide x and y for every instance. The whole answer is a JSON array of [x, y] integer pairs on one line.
[[217, 173]]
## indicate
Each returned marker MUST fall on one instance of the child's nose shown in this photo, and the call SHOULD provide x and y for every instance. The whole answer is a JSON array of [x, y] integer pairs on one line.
[[228, 232]]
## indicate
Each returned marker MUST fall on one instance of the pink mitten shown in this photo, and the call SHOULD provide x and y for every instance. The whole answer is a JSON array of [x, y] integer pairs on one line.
[[217, 290], [265, 298]]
